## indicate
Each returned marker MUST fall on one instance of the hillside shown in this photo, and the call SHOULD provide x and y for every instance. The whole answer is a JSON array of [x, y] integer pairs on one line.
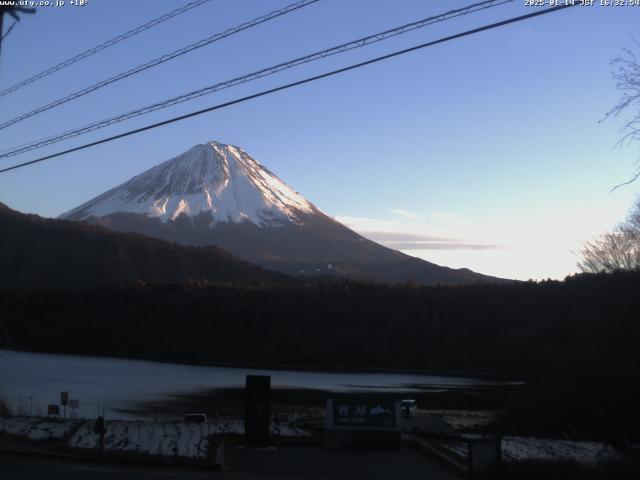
[[45, 254]]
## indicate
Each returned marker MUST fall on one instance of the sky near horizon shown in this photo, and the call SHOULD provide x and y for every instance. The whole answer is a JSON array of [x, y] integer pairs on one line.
[[487, 152]]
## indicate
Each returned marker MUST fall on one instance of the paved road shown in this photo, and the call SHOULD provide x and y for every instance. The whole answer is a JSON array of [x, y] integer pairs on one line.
[[299, 463], [25, 467]]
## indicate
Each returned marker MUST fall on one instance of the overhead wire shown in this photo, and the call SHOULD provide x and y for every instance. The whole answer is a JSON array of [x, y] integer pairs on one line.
[[295, 84], [361, 42], [160, 60], [103, 46]]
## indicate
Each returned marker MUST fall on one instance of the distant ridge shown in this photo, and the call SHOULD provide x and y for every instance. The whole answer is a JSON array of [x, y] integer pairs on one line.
[[46, 254]]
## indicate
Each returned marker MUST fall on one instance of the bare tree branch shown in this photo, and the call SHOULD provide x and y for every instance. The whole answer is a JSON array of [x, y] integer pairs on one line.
[[628, 182], [626, 73], [8, 30], [615, 250]]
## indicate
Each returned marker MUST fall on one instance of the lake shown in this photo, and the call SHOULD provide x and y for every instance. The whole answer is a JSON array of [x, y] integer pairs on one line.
[[30, 381]]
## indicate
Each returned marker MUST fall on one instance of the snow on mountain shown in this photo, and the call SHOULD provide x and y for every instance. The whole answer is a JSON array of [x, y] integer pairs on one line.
[[216, 178]]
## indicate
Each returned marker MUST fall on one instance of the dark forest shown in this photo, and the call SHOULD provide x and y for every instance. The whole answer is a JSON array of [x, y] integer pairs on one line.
[[575, 341]]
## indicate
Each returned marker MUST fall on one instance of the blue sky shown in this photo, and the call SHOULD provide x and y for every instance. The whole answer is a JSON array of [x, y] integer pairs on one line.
[[485, 152]]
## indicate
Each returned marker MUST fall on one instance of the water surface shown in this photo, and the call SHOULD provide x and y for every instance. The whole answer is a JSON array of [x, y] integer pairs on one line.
[[30, 381]]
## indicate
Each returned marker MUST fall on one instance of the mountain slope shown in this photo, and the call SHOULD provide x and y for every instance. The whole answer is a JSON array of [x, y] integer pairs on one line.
[[38, 253], [215, 178], [216, 194]]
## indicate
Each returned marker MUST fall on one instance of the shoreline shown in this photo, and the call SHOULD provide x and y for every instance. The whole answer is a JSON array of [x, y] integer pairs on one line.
[[514, 378]]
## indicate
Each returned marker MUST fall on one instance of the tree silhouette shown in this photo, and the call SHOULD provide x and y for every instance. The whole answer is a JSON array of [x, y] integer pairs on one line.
[[615, 250], [626, 73]]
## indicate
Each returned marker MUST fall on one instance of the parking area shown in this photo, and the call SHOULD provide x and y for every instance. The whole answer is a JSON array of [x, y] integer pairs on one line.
[[317, 463]]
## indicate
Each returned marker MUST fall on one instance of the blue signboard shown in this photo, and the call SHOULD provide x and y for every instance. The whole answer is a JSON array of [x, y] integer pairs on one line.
[[363, 413]]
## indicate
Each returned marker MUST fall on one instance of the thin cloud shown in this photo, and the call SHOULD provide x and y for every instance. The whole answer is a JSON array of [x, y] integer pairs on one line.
[[403, 237], [459, 245], [413, 241], [405, 214]]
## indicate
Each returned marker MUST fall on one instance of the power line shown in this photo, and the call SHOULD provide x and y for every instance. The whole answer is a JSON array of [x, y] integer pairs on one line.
[[294, 84], [361, 42], [162, 59], [102, 46]]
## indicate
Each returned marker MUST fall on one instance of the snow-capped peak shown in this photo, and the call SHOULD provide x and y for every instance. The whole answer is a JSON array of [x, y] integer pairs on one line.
[[217, 178]]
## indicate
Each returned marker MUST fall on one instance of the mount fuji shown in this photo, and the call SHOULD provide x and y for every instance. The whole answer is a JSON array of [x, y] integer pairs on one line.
[[216, 194]]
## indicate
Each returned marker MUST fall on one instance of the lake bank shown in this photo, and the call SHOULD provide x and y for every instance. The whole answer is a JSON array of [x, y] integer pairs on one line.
[[496, 375], [33, 380]]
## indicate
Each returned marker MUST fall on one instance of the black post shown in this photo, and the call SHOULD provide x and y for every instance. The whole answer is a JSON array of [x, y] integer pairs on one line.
[[100, 429], [257, 410]]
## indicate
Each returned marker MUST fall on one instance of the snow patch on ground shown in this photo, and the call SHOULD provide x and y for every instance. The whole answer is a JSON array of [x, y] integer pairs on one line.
[[172, 439], [518, 449], [466, 419], [37, 428], [586, 453], [227, 426], [288, 431]]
